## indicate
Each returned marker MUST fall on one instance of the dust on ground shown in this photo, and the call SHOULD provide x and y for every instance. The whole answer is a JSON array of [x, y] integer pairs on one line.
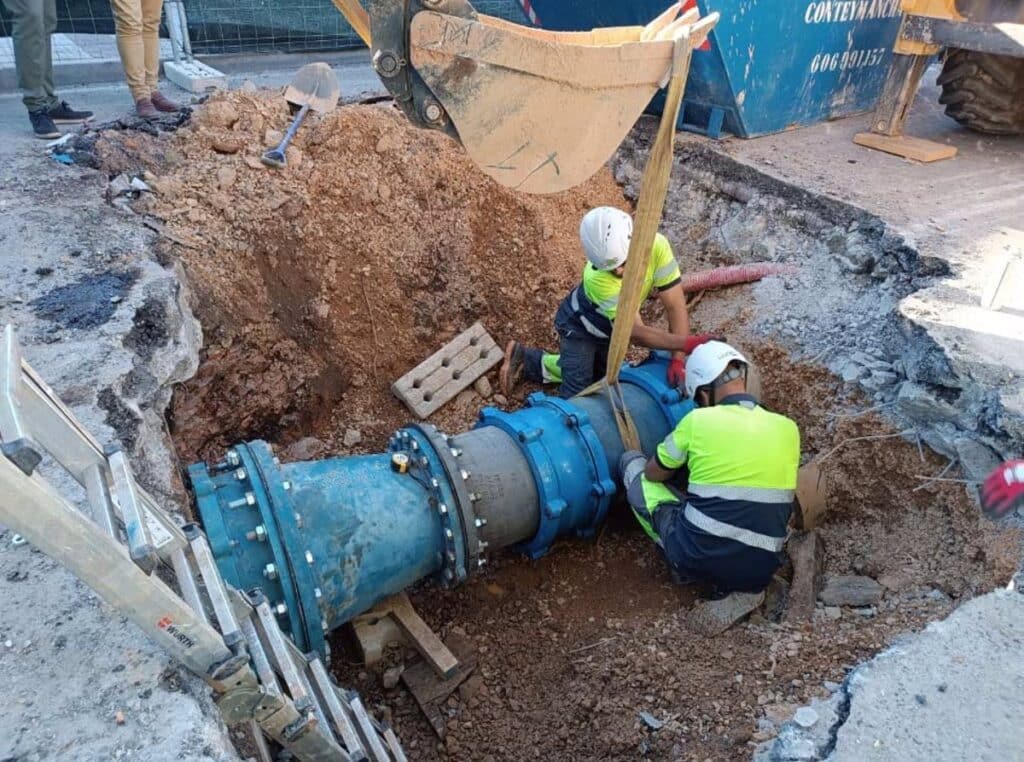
[[319, 285]]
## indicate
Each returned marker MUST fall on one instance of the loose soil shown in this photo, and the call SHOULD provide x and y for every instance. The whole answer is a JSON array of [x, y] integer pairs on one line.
[[319, 285]]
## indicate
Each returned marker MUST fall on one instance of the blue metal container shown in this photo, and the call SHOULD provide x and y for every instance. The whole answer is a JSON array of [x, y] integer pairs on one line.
[[771, 65]]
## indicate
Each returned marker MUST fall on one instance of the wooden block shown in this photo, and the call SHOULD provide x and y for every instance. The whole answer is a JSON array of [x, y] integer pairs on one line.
[[807, 553], [917, 149], [431, 692], [448, 371], [421, 637], [375, 631]]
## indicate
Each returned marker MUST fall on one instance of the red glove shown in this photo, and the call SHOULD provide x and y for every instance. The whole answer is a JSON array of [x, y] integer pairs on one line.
[[676, 373], [695, 340], [1003, 489]]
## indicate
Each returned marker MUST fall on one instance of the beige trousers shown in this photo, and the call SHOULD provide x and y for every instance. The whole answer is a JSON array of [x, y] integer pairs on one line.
[[137, 23]]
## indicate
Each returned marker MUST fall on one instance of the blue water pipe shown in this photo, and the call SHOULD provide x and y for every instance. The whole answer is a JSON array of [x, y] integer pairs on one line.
[[327, 539]]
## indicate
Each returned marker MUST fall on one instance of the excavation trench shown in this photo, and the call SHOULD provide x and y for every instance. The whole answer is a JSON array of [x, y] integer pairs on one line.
[[320, 285]]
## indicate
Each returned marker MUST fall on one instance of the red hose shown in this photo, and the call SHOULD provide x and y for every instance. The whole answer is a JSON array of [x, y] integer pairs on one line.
[[731, 275]]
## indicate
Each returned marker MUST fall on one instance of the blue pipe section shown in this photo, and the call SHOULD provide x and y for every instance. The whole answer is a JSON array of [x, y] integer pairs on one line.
[[327, 539]]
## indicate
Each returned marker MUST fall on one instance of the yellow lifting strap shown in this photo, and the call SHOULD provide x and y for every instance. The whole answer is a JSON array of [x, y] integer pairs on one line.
[[653, 189]]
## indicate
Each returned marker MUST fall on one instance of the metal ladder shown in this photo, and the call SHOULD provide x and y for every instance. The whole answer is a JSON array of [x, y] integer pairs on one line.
[[258, 676]]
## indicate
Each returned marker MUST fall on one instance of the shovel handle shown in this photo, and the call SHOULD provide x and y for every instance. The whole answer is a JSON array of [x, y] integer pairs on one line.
[[275, 156]]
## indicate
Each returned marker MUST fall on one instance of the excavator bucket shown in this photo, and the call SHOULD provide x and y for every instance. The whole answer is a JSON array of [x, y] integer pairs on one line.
[[538, 111]]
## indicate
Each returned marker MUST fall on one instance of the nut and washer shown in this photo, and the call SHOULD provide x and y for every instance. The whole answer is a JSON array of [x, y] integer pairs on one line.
[[281, 609], [386, 63], [432, 112], [270, 571], [309, 558]]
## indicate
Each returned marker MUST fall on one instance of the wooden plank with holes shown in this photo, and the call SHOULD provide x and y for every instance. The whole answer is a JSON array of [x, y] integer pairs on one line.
[[917, 149], [448, 371]]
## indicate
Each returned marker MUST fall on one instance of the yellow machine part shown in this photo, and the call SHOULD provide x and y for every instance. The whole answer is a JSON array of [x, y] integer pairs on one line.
[[538, 111]]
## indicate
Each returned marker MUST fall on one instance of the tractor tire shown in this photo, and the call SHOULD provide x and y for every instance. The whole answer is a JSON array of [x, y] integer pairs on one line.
[[983, 91]]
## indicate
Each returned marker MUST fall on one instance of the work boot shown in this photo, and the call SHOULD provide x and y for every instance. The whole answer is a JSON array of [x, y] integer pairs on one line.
[[710, 618], [62, 113], [511, 368], [43, 126], [163, 103], [631, 465], [144, 109]]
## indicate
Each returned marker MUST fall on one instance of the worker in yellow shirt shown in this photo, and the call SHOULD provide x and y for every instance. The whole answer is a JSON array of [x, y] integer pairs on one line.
[[740, 466], [585, 317]]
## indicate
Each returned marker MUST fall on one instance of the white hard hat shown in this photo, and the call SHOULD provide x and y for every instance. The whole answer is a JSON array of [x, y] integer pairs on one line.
[[707, 362], [605, 232]]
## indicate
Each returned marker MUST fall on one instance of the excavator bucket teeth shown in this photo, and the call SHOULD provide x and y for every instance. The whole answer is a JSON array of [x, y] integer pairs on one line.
[[537, 112]]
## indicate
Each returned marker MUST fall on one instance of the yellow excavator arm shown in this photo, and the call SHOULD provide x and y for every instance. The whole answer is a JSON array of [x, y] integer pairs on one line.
[[538, 111]]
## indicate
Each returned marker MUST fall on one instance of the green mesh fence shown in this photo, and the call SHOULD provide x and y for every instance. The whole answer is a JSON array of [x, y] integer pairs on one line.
[[247, 26]]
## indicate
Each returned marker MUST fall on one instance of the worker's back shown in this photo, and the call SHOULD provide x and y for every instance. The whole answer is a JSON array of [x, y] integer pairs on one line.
[[742, 462]]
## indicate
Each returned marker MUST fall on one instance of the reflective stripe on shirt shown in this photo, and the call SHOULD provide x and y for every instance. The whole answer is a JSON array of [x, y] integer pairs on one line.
[[730, 492], [729, 532]]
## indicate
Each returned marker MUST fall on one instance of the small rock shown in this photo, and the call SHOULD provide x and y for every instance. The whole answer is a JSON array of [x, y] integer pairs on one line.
[[500, 399], [352, 437], [878, 380], [391, 677], [226, 146], [140, 185], [805, 717], [9, 643], [850, 590], [307, 448], [916, 402], [272, 138], [226, 177], [218, 113], [852, 372], [119, 186], [17, 575], [42, 272], [833, 612], [119, 717], [483, 387], [651, 721], [384, 191], [920, 699]]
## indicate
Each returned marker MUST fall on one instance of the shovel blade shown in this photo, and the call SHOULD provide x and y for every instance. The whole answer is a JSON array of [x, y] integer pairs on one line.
[[314, 85]]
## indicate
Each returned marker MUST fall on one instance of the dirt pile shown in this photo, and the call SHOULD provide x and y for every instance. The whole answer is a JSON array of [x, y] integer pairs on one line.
[[320, 284]]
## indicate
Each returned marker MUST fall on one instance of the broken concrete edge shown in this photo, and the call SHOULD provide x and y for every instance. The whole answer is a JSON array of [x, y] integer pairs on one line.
[[956, 405], [931, 695]]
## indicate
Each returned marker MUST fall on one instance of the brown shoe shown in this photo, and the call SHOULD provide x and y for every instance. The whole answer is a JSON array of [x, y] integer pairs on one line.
[[512, 368], [163, 103], [145, 109]]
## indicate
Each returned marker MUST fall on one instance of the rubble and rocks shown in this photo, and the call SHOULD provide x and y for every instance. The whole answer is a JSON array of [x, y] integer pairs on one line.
[[69, 662], [850, 590]]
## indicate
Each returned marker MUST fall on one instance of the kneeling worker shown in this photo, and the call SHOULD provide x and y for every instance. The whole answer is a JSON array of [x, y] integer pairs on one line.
[[730, 526], [584, 318]]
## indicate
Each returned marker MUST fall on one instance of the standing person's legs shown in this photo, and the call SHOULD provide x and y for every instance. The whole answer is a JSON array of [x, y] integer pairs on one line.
[[151, 40], [131, 46], [32, 23]]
